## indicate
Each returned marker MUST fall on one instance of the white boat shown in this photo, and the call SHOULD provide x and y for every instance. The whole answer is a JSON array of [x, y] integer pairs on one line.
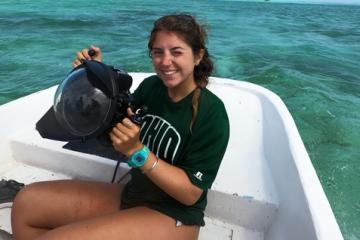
[[266, 188]]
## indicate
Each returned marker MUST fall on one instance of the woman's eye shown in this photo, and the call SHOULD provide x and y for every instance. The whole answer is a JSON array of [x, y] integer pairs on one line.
[[177, 53], [157, 53]]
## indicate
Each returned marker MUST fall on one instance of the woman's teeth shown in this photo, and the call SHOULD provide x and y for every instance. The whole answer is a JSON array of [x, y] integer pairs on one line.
[[168, 73]]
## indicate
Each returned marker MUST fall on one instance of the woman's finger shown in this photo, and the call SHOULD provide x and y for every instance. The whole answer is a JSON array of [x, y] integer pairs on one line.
[[125, 130], [115, 140], [96, 49], [116, 131], [76, 63], [85, 53], [123, 137], [80, 56], [98, 53], [127, 123]]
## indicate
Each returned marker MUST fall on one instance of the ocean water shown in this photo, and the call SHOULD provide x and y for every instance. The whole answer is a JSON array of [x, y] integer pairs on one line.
[[308, 54]]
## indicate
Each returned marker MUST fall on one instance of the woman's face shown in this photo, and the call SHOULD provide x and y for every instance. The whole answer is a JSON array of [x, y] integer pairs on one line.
[[174, 61]]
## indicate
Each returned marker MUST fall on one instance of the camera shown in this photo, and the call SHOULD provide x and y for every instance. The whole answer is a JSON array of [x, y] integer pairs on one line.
[[88, 103]]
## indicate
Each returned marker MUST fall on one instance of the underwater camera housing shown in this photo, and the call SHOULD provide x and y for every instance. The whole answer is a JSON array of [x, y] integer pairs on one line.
[[88, 103]]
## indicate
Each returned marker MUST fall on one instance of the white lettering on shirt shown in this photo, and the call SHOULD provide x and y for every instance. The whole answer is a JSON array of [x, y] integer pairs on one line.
[[160, 137]]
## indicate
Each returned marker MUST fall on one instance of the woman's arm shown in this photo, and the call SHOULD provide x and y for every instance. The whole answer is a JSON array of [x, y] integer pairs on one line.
[[173, 180]]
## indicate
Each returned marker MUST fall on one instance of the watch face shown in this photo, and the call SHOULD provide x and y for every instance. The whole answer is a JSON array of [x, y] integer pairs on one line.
[[139, 158]]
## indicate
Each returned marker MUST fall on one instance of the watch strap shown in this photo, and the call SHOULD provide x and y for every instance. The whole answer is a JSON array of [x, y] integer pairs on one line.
[[139, 158]]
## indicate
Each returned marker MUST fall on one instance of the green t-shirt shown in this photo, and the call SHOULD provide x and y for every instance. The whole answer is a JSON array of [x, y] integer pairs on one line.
[[166, 132]]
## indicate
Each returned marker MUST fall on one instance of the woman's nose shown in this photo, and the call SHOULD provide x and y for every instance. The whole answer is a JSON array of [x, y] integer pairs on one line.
[[166, 59]]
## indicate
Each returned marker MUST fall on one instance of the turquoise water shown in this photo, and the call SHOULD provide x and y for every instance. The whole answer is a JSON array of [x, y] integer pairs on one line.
[[308, 54]]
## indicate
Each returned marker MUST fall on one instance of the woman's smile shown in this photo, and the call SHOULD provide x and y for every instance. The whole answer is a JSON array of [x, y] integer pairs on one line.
[[169, 73], [174, 62]]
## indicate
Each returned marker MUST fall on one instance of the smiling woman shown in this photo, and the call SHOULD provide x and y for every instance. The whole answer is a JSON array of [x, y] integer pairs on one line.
[[170, 178], [308, 54]]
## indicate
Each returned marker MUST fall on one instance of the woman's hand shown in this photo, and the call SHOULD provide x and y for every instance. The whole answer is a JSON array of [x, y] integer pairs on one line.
[[84, 54], [126, 136]]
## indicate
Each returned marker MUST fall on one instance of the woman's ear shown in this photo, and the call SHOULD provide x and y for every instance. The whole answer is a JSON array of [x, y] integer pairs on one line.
[[199, 56]]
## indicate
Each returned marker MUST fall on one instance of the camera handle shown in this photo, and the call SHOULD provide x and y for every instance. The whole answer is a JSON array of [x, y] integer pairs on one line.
[[91, 52], [139, 115]]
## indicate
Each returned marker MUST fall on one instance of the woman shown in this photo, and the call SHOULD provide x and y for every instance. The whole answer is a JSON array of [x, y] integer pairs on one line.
[[174, 156]]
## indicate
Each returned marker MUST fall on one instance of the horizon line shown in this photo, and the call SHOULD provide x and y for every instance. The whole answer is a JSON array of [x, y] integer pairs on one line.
[[299, 2]]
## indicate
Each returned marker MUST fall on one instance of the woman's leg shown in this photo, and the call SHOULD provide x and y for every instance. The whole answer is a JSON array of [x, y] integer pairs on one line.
[[43, 206], [88, 210], [139, 223]]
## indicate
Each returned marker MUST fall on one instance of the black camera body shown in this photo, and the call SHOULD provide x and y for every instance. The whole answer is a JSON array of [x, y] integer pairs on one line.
[[88, 103]]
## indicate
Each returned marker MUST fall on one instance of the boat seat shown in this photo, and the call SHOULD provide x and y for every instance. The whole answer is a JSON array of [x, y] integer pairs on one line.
[[243, 192]]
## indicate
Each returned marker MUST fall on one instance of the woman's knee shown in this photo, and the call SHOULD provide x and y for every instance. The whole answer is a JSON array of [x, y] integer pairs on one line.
[[22, 210], [24, 198]]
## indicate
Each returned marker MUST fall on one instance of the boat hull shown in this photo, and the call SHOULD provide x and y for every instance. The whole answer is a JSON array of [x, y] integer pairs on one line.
[[266, 187]]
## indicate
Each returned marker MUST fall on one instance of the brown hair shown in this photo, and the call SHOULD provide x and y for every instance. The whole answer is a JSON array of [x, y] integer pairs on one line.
[[195, 35]]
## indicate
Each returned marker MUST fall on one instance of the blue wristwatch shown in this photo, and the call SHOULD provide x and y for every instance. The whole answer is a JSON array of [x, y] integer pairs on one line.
[[139, 158]]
